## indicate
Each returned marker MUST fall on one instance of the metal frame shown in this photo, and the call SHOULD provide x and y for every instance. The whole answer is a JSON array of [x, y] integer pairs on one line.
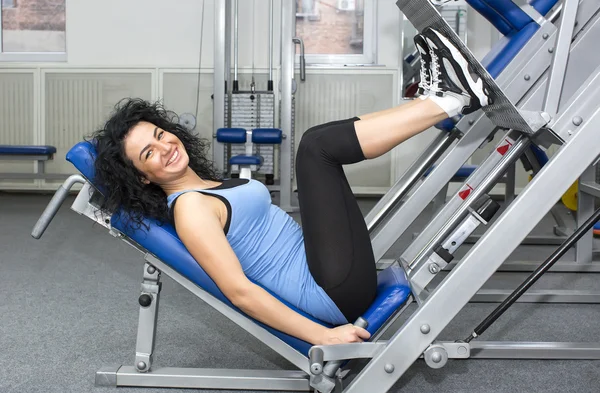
[[524, 81], [447, 299], [40, 168], [223, 11], [476, 130]]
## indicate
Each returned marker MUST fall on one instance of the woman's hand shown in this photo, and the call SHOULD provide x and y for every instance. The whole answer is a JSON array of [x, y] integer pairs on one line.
[[344, 334]]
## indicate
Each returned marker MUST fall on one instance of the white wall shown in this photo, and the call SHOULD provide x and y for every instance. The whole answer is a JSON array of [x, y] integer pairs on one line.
[[152, 33], [158, 33]]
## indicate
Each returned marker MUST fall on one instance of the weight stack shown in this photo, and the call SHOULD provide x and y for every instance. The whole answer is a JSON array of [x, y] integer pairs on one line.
[[250, 111], [255, 110]]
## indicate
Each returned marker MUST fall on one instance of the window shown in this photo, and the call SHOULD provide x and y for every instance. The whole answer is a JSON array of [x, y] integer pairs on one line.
[[336, 31], [32, 30]]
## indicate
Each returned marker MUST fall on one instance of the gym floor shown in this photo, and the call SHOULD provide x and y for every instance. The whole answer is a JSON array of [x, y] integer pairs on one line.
[[69, 306]]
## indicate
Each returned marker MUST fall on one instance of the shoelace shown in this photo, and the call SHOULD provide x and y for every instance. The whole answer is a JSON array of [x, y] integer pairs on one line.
[[434, 87], [424, 76]]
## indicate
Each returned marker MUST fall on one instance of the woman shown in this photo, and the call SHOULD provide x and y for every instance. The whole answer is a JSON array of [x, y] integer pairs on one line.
[[153, 168]]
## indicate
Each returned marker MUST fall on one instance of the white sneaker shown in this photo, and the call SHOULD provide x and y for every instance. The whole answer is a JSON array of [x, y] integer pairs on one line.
[[450, 74]]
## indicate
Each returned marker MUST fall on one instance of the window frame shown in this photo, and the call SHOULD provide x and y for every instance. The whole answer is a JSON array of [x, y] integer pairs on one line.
[[368, 57], [54, 57]]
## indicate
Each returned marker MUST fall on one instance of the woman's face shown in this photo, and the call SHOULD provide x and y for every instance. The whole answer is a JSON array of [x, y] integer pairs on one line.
[[158, 154]]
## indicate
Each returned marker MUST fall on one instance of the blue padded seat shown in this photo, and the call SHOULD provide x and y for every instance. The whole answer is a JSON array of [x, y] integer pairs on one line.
[[231, 135], [245, 160], [24, 150], [267, 136], [393, 289]]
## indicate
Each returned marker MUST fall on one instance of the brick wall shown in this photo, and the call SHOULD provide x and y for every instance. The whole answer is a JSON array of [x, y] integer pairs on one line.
[[331, 33], [35, 15]]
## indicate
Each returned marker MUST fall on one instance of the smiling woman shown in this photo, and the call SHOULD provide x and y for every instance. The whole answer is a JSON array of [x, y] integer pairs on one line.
[[136, 154]]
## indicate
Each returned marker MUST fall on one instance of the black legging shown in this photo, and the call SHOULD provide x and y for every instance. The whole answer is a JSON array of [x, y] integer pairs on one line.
[[338, 246]]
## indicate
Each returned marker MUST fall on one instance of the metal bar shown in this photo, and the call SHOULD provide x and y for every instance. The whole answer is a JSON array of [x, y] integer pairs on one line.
[[509, 185], [585, 209], [148, 317], [561, 57], [27, 176], [399, 221], [534, 240], [559, 267], [199, 378], [535, 276], [590, 188], [412, 175], [235, 41], [219, 83], [534, 350], [288, 17], [473, 182], [24, 157], [539, 296], [293, 356], [480, 263], [271, 19], [347, 351], [55, 203], [475, 191]]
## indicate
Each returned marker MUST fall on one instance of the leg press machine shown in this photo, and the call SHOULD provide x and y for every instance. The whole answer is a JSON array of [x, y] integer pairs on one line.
[[557, 104]]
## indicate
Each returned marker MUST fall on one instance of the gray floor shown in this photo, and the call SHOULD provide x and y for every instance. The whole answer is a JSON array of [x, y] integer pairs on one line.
[[69, 306]]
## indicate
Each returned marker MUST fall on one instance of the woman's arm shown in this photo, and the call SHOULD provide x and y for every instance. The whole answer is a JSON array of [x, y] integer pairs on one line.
[[200, 228]]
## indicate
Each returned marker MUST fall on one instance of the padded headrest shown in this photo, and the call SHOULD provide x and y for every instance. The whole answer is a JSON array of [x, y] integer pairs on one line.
[[82, 156]]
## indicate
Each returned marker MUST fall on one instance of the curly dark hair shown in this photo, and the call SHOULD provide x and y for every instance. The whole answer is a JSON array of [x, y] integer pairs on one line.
[[121, 181]]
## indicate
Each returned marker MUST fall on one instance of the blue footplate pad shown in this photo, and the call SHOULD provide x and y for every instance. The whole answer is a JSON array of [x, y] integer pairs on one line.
[[161, 240]]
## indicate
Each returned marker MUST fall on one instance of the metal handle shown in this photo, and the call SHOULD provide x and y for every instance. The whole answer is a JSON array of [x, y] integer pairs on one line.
[[299, 41], [315, 356], [331, 367], [59, 196]]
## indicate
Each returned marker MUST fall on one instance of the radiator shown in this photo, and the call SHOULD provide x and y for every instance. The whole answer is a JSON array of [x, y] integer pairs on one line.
[[16, 118]]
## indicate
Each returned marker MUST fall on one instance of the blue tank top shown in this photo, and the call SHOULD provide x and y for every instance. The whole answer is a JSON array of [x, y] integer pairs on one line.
[[270, 247]]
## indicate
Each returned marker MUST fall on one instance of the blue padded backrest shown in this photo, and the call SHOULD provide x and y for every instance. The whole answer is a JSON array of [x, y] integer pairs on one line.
[[82, 156], [162, 241], [24, 150]]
